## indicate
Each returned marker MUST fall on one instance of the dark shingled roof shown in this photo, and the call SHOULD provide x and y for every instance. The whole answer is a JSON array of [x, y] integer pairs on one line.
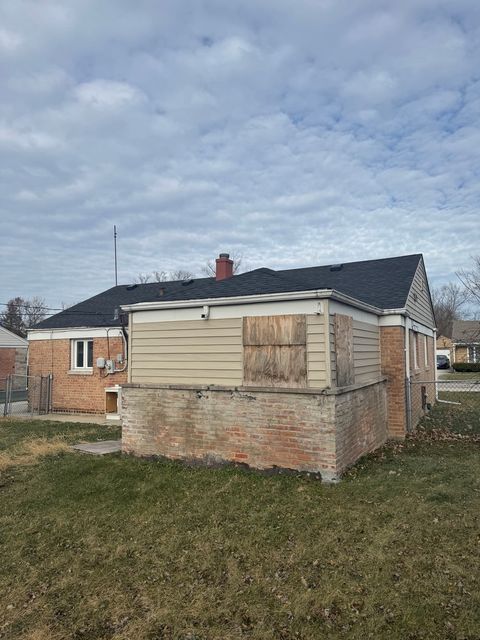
[[466, 331], [383, 283]]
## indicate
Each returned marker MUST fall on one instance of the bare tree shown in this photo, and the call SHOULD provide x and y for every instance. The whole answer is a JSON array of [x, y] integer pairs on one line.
[[181, 274], [160, 276], [470, 278], [142, 278], [21, 314], [35, 311], [210, 269], [448, 302], [164, 276]]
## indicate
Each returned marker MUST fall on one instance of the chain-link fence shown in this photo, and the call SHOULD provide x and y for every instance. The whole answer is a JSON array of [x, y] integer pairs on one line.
[[25, 395], [451, 404]]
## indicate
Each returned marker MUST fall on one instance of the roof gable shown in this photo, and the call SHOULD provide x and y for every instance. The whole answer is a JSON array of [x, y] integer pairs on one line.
[[383, 283], [10, 339], [419, 301]]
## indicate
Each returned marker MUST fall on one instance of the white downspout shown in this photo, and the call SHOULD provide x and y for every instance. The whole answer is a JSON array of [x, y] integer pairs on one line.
[[407, 373]]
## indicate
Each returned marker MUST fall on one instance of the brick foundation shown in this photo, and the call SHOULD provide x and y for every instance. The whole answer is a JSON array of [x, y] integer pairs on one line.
[[263, 428], [75, 392]]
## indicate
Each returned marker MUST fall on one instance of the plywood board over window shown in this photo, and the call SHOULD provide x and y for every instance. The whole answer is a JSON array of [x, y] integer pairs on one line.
[[275, 351], [343, 326]]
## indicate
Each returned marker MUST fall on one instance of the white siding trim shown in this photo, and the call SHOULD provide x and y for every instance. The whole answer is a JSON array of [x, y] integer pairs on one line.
[[356, 314], [421, 328], [307, 307], [394, 320], [64, 334]]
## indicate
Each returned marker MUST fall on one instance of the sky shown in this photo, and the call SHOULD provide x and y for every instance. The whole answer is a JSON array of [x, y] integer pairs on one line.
[[290, 133]]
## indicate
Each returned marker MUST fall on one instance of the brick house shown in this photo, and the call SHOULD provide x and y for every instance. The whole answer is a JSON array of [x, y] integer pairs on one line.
[[13, 355], [303, 369], [466, 341]]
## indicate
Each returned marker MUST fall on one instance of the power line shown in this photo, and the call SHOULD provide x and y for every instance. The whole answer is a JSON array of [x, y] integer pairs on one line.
[[45, 309]]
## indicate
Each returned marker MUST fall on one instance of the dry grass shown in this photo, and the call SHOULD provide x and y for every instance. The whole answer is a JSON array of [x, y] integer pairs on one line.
[[120, 548], [31, 451]]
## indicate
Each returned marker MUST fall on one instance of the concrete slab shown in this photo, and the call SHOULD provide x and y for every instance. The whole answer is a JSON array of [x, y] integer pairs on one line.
[[90, 418], [99, 448]]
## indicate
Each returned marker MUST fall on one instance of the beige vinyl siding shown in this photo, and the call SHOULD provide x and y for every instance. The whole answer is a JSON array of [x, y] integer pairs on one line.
[[317, 369], [366, 351], [11, 340], [418, 301], [191, 351]]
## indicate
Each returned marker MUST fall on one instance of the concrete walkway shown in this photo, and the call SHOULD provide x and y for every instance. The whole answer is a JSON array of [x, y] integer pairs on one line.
[[99, 448], [89, 418]]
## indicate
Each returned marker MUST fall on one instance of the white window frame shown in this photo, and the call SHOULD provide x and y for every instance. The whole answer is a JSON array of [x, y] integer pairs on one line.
[[415, 350], [73, 361], [425, 350], [473, 350]]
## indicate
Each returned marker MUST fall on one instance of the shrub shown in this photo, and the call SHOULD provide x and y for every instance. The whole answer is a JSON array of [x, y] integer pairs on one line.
[[463, 367]]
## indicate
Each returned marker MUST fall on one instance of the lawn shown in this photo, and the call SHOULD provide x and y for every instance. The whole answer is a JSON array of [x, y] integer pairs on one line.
[[118, 547], [460, 376]]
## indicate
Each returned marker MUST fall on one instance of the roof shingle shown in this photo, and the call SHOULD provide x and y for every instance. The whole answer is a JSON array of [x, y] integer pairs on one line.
[[383, 283]]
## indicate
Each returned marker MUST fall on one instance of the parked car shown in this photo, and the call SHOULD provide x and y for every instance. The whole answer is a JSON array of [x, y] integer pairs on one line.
[[443, 362]]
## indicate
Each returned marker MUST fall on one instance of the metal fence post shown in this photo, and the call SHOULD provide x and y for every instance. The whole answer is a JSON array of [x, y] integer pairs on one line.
[[7, 394], [50, 384]]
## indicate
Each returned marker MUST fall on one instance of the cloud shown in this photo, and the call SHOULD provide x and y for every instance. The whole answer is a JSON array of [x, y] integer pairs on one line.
[[105, 94], [325, 132]]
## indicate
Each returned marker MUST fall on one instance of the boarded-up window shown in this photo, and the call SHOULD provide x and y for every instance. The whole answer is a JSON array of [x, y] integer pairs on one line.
[[275, 351], [344, 350]]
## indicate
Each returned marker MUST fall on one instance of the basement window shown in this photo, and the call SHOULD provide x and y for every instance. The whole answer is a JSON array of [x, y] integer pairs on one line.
[[82, 355]]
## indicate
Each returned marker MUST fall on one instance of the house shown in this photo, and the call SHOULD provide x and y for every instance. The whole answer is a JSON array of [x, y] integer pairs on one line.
[[444, 347], [13, 356], [466, 341], [302, 369]]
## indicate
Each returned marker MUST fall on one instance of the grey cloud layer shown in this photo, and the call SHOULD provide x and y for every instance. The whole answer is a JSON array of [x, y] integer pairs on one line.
[[294, 134]]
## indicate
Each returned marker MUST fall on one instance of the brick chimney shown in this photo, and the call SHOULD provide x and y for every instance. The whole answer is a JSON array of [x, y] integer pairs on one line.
[[224, 267]]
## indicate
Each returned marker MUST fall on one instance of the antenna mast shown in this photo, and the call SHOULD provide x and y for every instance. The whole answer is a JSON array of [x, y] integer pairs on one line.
[[115, 251]]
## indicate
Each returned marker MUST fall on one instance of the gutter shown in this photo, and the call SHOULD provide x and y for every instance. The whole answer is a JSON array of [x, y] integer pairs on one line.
[[319, 294]]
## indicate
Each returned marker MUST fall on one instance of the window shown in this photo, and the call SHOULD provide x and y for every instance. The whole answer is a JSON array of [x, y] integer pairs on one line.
[[474, 353], [82, 354], [425, 350], [415, 350]]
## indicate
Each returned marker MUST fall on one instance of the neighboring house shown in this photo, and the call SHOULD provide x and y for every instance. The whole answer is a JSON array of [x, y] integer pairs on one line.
[[303, 369], [444, 347], [13, 356], [466, 341]]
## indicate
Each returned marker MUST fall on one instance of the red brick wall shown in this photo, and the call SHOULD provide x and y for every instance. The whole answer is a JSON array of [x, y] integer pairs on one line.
[[360, 422], [75, 392], [392, 347], [421, 374], [392, 342], [7, 362], [289, 429]]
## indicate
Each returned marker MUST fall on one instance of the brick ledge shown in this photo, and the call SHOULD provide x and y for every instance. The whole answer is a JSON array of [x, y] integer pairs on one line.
[[335, 391]]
